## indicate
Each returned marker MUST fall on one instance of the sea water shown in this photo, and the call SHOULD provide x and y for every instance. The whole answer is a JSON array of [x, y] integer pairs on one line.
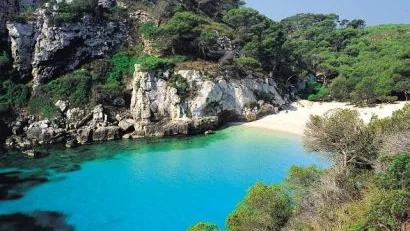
[[164, 184]]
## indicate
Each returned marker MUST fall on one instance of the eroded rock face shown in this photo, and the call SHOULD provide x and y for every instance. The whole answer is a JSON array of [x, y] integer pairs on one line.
[[77, 117], [23, 38], [158, 110], [10, 8], [227, 94], [153, 100], [106, 133], [37, 133], [62, 48], [45, 49], [7, 9], [44, 132]]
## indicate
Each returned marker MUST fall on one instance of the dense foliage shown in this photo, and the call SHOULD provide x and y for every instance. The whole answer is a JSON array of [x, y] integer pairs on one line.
[[339, 59], [75, 88], [201, 226], [265, 207], [12, 95], [354, 63], [346, 196]]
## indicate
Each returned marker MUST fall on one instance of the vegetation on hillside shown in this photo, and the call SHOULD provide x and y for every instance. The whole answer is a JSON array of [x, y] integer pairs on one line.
[[367, 188], [340, 59]]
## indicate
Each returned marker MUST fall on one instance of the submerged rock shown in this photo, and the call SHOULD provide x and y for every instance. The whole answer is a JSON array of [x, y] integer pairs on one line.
[[14, 184], [36, 221]]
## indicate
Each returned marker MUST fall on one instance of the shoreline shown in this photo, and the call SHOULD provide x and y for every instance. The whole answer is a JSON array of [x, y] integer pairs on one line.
[[293, 120]]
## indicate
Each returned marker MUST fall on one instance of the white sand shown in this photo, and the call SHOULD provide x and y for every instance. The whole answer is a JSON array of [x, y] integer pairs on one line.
[[294, 120]]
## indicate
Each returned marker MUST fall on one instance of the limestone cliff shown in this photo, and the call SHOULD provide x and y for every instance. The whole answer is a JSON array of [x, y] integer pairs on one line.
[[151, 104], [44, 49], [157, 105]]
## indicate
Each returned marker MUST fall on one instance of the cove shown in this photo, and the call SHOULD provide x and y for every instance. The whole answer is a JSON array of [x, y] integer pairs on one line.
[[166, 184]]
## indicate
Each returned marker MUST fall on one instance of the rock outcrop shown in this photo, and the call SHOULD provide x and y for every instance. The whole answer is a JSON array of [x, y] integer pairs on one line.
[[227, 94], [11, 8], [46, 49], [106, 133], [158, 110], [45, 46], [62, 48], [23, 38]]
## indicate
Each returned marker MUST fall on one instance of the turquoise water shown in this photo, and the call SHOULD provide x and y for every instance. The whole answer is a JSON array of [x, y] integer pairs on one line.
[[165, 184]]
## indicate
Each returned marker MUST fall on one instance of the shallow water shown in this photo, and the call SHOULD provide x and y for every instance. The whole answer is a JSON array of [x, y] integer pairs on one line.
[[166, 184]]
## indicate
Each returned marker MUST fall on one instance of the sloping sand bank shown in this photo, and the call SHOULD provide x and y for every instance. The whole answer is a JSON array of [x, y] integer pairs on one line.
[[294, 120]]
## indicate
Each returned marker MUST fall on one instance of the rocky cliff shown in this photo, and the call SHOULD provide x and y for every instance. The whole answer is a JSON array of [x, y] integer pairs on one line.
[[43, 50], [156, 110], [160, 102], [211, 102]]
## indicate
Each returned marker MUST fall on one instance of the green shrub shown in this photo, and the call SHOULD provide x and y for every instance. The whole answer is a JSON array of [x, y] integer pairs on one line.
[[122, 64], [183, 23], [201, 226], [265, 207], [251, 105], [149, 30], [28, 14], [4, 58], [115, 13], [320, 95], [397, 175], [75, 87], [152, 63], [180, 83], [265, 96], [74, 11], [247, 63], [13, 95], [317, 92]]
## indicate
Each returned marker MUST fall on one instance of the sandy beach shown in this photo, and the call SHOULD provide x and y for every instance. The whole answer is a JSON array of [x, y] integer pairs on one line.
[[294, 120]]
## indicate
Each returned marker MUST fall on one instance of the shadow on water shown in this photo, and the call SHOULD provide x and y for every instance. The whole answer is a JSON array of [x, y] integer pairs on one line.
[[36, 221], [18, 174]]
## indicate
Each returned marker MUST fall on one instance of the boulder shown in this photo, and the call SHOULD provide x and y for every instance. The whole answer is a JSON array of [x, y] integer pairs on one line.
[[177, 127], [126, 125], [99, 118], [72, 143], [62, 105], [45, 132], [106, 133], [203, 124], [77, 117], [127, 136], [83, 135]]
